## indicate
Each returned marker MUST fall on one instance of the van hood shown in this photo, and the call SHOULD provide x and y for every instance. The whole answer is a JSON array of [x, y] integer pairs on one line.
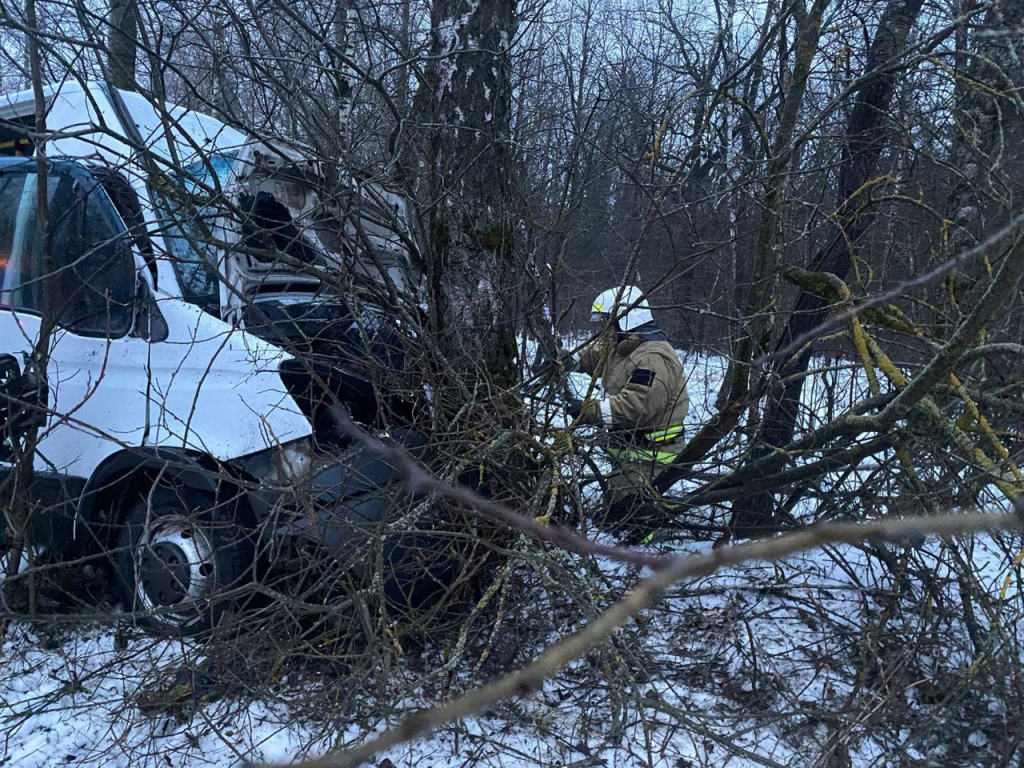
[[290, 224]]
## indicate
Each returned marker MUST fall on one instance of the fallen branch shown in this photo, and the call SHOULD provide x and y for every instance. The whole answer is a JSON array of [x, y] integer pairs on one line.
[[527, 679], [420, 479]]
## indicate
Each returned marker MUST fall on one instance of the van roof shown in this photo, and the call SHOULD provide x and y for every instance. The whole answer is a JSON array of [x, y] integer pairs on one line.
[[164, 128], [11, 104]]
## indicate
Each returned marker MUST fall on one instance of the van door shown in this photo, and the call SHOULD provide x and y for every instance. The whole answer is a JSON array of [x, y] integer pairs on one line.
[[96, 378]]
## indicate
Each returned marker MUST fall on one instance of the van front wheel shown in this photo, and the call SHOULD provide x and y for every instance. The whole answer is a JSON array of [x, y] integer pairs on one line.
[[177, 558]]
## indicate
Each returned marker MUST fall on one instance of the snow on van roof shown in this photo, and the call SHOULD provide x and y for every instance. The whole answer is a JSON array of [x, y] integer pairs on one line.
[[169, 131], [12, 105], [192, 132]]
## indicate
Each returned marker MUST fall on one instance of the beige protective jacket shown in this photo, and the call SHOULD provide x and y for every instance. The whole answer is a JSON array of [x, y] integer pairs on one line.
[[644, 392]]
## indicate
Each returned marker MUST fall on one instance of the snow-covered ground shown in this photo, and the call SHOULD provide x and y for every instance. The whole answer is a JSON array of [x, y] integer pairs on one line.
[[764, 665], [744, 668]]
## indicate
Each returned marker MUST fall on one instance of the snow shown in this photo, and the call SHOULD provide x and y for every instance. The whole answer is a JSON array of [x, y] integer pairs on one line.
[[73, 700], [75, 704], [745, 667]]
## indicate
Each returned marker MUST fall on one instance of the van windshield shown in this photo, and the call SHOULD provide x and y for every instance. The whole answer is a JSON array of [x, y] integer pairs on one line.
[[190, 209], [196, 153]]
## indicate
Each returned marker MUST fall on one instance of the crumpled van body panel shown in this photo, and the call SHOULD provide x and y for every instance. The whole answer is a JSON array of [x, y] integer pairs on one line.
[[173, 438]]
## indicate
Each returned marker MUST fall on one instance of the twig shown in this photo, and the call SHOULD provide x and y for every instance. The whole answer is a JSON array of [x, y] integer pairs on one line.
[[417, 478], [1013, 229], [527, 679]]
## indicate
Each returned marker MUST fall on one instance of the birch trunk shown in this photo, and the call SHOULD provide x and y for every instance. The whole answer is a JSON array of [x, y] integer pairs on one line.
[[468, 182]]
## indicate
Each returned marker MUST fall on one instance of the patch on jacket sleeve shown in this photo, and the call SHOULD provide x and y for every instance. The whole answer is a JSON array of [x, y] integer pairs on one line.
[[643, 377]]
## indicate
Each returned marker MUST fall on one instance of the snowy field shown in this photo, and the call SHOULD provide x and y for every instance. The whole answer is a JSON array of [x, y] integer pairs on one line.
[[756, 666]]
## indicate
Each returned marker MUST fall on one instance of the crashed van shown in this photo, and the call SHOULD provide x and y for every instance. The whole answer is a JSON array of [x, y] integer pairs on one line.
[[183, 336]]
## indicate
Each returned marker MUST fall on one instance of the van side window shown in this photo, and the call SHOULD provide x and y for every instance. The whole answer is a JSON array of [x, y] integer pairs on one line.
[[20, 287], [14, 140], [126, 203], [91, 283]]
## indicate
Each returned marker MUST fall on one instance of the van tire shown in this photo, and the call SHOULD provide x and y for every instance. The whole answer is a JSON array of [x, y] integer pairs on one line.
[[177, 548]]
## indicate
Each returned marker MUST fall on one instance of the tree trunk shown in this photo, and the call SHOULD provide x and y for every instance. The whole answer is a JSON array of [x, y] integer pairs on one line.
[[226, 95], [346, 22], [403, 73], [123, 43], [468, 183], [866, 137], [990, 130], [765, 269]]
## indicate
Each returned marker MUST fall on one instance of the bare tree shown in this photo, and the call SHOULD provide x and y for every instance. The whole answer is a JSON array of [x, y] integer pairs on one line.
[[123, 44], [866, 137], [468, 175], [821, 201]]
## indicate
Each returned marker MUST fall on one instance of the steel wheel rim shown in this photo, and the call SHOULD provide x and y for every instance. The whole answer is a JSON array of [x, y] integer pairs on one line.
[[175, 569]]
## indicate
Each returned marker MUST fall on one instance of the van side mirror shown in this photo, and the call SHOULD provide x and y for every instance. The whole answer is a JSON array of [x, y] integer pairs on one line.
[[22, 402], [149, 322], [9, 370]]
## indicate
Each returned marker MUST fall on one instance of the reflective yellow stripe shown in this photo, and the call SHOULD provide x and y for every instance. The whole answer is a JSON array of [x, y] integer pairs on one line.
[[636, 454], [664, 435]]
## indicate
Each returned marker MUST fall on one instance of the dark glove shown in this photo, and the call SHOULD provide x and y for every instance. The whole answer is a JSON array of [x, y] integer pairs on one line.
[[547, 366], [574, 408], [542, 368]]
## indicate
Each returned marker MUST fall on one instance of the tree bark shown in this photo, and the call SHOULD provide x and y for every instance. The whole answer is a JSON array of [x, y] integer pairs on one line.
[[346, 22], [226, 95], [468, 184], [123, 44]]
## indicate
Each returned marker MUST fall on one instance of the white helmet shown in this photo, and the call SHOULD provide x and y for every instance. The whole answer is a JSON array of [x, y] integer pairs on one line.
[[625, 303]]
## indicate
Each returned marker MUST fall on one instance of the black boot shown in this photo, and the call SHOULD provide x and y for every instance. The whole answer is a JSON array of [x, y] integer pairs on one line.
[[634, 518]]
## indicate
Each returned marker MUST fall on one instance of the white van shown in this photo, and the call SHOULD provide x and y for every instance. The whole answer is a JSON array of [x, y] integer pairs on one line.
[[174, 419]]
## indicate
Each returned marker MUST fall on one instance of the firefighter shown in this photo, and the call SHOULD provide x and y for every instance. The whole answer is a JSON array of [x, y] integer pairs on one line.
[[643, 405]]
